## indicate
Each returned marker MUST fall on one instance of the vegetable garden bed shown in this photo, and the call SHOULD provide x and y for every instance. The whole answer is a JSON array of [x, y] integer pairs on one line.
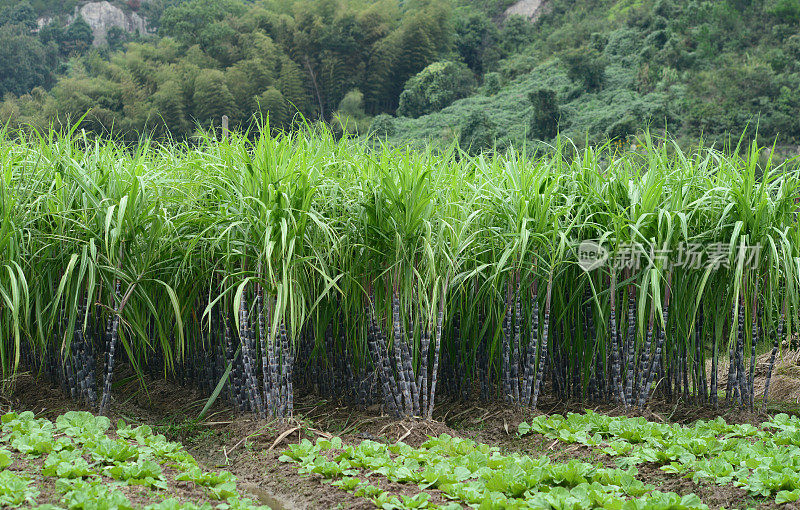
[[252, 450]]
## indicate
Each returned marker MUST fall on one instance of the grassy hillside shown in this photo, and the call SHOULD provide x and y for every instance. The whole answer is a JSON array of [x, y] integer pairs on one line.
[[696, 68]]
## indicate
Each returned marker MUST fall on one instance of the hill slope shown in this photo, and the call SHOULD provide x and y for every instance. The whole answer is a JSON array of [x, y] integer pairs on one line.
[[697, 68], [420, 71]]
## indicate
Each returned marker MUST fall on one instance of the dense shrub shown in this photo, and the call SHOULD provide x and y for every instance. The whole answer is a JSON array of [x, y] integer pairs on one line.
[[478, 133], [435, 87], [544, 122], [382, 126], [585, 65]]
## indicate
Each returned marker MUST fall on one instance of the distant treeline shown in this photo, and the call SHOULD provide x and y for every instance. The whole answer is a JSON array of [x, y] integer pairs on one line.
[[424, 71]]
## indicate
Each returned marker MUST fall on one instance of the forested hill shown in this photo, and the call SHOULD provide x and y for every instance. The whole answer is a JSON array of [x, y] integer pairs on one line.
[[488, 73]]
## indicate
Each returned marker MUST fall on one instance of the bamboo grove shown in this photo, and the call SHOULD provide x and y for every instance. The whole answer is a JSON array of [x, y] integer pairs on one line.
[[252, 270]]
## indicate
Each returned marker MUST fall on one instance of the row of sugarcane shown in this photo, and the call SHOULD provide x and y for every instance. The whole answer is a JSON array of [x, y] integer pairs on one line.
[[252, 270]]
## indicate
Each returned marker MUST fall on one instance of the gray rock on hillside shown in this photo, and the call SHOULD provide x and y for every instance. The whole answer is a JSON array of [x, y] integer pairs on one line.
[[530, 9], [103, 16]]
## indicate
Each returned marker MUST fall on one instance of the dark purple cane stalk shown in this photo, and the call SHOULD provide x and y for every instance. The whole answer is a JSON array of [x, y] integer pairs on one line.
[[699, 361], [265, 360], [272, 356], [437, 343], [741, 397], [730, 387], [289, 371], [405, 386], [248, 359], [537, 385], [645, 357], [378, 349], [714, 361], [383, 348], [630, 347], [425, 343], [506, 373], [530, 358], [616, 371], [753, 342], [407, 358], [775, 344], [659, 346], [283, 376], [114, 338], [516, 342]]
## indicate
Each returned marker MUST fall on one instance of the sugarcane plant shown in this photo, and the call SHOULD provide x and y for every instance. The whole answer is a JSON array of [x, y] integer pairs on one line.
[[265, 266]]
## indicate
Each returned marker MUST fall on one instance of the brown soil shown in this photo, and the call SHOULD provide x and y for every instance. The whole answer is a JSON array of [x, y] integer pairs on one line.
[[250, 448]]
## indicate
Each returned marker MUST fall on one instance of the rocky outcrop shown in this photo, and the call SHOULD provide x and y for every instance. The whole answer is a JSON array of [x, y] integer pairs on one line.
[[103, 16], [530, 9]]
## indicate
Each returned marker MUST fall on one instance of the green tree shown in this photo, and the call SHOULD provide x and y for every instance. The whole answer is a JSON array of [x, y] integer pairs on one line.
[[516, 33], [787, 11], [544, 122], [170, 109], [272, 104], [293, 88], [476, 39], [435, 87], [416, 50], [20, 14], [212, 99], [116, 39], [25, 62], [77, 38], [186, 21], [100, 99], [246, 79], [585, 65], [382, 126], [219, 40]]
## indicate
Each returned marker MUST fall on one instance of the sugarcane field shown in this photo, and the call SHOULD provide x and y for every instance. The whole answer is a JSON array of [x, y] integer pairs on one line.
[[298, 320]]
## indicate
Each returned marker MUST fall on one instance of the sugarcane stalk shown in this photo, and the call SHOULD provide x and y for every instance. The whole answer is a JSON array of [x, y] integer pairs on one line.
[[714, 377], [283, 383], [408, 357], [112, 347], [262, 338], [616, 372], [425, 342], [753, 341], [645, 357], [630, 335], [289, 357], [530, 358], [537, 386], [378, 349], [516, 342], [775, 344], [699, 362], [741, 397], [437, 346], [272, 356], [657, 358], [405, 385]]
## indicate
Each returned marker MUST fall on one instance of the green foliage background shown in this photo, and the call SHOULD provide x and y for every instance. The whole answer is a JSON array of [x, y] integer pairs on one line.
[[696, 68]]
